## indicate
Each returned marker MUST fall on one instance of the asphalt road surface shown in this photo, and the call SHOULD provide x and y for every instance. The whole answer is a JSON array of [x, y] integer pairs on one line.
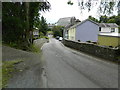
[[67, 68]]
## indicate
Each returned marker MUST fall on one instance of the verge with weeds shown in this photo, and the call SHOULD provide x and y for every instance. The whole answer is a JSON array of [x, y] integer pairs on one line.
[[8, 68]]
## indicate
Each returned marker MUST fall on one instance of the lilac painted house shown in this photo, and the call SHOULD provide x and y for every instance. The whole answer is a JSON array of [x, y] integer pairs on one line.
[[86, 30]]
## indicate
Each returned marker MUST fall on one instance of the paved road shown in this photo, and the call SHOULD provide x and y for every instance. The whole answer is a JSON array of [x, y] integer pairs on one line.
[[66, 68]]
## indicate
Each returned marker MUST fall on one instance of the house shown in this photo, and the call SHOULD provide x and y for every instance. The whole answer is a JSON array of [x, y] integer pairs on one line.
[[51, 25], [86, 30], [109, 35], [36, 33], [108, 28], [66, 21]]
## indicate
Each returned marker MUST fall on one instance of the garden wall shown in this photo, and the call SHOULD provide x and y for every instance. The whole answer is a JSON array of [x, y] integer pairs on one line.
[[100, 51]]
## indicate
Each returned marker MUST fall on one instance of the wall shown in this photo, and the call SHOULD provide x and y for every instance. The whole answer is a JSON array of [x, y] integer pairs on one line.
[[71, 33], [108, 40], [87, 31], [102, 52]]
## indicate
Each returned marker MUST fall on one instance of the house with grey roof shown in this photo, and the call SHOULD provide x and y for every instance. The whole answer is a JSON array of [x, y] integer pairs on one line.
[[108, 28], [109, 35], [67, 22], [86, 30], [89, 30]]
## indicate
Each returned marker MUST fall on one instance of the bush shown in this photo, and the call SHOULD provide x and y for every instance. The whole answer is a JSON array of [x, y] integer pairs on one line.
[[88, 41], [44, 37]]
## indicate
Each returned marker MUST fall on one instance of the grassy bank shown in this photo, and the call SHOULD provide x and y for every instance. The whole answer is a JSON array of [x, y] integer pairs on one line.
[[8, 68], [34, 48]]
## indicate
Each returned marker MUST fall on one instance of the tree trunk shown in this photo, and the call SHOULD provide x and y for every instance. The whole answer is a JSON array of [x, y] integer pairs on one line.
[[27, 20]]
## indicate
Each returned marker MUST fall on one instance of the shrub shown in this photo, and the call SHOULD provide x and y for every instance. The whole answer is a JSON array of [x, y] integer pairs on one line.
[[88, 41]]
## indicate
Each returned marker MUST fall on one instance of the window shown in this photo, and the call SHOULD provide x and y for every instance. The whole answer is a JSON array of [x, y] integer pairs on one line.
[[112, 29], [99, 28]]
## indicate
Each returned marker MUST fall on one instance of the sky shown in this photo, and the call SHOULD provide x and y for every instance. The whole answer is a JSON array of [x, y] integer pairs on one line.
[[60, 9]]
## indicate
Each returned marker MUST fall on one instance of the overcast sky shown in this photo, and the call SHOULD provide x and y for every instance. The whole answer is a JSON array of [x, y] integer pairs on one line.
[[60, 9]]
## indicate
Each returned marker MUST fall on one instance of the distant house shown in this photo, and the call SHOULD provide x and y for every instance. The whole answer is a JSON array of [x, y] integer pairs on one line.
[[108, 28], [67, 22], [86, 30], [51, 25], [36, 33], [109, 35]]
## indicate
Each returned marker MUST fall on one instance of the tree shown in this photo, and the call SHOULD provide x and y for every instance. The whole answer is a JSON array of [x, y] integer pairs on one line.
[[58, 31], [92, 18], [103, 19], [43, 27], [105, 6], [111, 21], [18, 21]]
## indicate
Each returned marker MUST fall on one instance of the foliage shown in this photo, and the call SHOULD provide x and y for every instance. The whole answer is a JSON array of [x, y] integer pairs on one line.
[[18, 20], [105, 6], [45, 37], [70, 3], [43, 27], [103, 19], [7, 70], [41, 34], [92, 18], [34, 48], [58, 31], [112, 19]]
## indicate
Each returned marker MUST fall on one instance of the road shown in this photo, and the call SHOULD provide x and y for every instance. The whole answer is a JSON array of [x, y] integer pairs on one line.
[[67, 68]]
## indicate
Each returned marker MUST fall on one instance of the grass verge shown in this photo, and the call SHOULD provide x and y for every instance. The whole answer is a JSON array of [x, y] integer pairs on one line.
[[8, 68], [35, 48]]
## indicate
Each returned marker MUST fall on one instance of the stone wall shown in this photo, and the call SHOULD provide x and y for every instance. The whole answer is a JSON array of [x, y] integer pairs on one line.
[[103, 52]]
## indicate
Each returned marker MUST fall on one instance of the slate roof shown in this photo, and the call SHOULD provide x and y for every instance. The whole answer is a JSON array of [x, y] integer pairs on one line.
[[84, 22], [99, 24], [108, 25], [64, 21]]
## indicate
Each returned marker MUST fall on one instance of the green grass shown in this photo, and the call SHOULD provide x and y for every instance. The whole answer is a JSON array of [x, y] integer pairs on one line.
[[44, 37], [0, 77], [0, 42], [50, 32], [34, 48], [8, 68]]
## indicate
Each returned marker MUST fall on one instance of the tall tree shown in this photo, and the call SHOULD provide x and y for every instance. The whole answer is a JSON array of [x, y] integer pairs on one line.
[[103, 19], [18, 19], [43, 26], [105, 6], [92, 18], [58, 31]]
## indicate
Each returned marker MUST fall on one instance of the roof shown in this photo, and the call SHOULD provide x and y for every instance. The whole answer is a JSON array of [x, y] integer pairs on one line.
[[84, 22], [64, 21], [108, 25], [110, 34], [99, 24]]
